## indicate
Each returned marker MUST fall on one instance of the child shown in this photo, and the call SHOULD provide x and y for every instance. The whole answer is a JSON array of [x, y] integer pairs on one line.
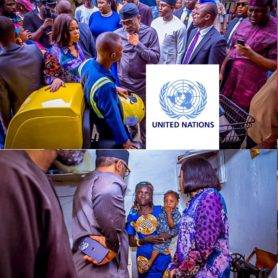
[[167, 224]]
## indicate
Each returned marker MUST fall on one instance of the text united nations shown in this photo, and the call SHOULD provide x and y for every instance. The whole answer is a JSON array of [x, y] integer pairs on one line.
[[183, 124]]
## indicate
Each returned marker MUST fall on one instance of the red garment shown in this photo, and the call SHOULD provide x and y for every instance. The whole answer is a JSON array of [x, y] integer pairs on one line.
[[245, 78]]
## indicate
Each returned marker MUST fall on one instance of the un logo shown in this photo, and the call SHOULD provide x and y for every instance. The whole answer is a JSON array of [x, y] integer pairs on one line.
[[183, 98]]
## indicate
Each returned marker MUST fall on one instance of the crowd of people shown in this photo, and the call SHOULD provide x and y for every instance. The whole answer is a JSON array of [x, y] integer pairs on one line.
[[48, 43], [202, 248]]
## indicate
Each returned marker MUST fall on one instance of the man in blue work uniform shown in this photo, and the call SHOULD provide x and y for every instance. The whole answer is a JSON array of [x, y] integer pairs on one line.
[[101, 93]]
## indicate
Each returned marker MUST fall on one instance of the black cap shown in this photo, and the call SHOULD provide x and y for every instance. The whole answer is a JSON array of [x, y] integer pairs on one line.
[[169, 2], [120, 154], [47, 2], [128, 11]]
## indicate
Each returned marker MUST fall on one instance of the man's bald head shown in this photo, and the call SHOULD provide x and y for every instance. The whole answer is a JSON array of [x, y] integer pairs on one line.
[[108, 45], [64, 7], [204, 14], [211, 8]]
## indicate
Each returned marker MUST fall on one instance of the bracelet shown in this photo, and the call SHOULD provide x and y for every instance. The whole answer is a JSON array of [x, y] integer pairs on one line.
[[137, 242]]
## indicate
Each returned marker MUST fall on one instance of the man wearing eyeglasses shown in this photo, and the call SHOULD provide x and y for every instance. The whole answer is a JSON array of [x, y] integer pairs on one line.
[[98, 212], [241, 13], [140, 47]]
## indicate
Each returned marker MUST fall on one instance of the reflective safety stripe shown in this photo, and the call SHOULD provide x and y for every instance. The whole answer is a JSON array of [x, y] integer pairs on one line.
[[82, 65], [99, 83]]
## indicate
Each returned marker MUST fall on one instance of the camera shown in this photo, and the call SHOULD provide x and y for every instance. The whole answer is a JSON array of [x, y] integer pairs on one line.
[[49, 13]]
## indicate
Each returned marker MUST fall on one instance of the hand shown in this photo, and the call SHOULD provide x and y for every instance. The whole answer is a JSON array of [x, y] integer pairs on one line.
[[244, 50], [136, 133], [165, 236], [48, 22], [55, 85], [220, 76], [129, 145], [172, 273], [133, 39], [122, 92], [168, 210], [154, 239], [109, 257], [145, 267]]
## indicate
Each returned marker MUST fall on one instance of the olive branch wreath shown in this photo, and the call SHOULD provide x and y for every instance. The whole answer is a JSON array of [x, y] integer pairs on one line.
[[194, 114]]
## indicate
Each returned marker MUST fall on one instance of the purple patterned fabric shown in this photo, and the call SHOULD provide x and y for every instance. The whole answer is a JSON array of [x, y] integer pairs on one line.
[[202, 247], [245, 78], [67, 64]]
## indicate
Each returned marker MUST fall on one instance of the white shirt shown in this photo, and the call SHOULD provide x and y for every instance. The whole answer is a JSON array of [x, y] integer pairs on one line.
[[171, 37], [203, 32], [166, 28], [82, 14]]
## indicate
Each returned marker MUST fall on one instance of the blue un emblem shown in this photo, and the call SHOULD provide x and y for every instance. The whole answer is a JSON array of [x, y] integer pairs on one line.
[[183, 98]]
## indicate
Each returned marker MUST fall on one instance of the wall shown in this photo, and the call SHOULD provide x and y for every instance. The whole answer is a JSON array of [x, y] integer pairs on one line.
[[249, 192]]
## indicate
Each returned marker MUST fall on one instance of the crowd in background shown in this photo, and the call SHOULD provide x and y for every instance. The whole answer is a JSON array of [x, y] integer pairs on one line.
[[44, 43]]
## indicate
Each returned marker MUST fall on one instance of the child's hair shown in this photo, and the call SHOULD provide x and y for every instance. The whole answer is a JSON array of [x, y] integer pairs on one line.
[[174, 193]]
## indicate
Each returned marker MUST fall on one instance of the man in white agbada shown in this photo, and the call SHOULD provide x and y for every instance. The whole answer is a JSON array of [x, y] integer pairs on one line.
[[171, 33]]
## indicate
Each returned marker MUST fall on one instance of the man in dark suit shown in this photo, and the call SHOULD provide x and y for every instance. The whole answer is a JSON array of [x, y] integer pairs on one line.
[[185, 15], [241, 13], [205, 45]]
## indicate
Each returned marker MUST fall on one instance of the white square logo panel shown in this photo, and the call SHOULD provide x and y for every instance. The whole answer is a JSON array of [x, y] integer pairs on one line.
[[182, 107]]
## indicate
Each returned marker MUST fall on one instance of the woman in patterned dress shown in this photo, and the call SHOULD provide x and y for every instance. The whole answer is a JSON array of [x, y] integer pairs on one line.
[[203, 246], [142, 231], [65, 56]]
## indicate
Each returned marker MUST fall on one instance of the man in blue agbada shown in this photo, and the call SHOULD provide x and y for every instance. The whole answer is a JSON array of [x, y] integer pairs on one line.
[[101, 93]]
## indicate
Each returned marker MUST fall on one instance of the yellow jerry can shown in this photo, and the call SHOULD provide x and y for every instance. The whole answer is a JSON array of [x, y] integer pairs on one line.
[[49, 120]]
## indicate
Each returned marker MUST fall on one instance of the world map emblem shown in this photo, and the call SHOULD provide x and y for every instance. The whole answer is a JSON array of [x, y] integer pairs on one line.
[[183, 98]]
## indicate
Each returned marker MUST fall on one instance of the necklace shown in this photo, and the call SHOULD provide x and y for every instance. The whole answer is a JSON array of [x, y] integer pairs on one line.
[[108, 14]]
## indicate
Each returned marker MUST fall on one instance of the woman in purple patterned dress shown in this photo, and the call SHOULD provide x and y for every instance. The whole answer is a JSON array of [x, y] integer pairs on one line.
[[203, 246], [65, 56]]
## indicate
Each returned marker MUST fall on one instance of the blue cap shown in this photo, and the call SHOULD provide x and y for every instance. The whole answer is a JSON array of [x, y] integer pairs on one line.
[[120, 154], [128, 11]]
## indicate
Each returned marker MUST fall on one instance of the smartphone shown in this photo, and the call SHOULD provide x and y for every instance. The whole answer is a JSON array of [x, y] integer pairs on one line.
[[49, 14], [241, 42], [93, 249]]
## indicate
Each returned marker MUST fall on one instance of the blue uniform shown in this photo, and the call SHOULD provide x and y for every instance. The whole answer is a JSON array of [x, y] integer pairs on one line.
[[101, 96]]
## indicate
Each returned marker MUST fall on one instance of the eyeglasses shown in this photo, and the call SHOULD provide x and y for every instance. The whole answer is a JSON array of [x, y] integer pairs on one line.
[[128, 22], [242, 4], [127, 170]]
